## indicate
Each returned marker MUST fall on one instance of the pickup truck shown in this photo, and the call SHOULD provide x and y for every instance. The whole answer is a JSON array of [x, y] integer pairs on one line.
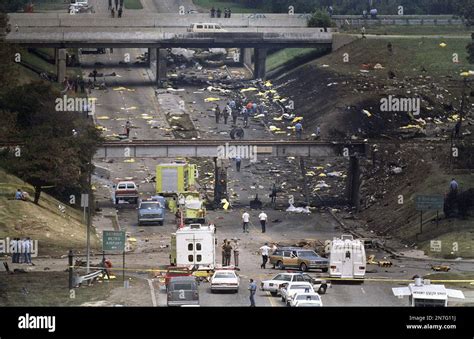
[[126, 190], [151, 211]]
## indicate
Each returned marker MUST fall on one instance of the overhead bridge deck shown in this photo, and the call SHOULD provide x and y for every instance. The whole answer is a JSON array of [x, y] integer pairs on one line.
[[217, 148]]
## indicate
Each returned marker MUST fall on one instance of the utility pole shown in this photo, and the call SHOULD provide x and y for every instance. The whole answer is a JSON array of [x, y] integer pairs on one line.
[[89, 217]]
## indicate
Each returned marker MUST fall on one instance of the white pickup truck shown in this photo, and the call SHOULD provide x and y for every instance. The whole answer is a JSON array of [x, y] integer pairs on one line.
[[126, 191]]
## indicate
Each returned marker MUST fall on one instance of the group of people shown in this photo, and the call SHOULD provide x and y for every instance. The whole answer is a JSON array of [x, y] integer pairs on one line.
[[118, 8], [227, 249], [218, 13], [74, 84], [235, 108], [20, 195], [246, 220], [21, 251]]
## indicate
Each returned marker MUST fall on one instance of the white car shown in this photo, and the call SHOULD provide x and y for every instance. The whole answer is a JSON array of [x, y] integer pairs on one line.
[[288, 291], [225, 280], [273, 285], [302, 299]]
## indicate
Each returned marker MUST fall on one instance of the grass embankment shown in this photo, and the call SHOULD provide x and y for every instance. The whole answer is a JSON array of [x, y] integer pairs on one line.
[[411, 30], [49, 289], [132, 4], [409, 56], [56, 232], [287, 55]]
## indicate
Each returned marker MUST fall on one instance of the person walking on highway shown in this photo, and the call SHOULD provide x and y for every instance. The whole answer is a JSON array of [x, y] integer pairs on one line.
[[264, 251], [263, 220], [299, 130], [213, 12], [238, 162], [229, 13], [252, 289], [236, 252], [112, 12], [218, 12], [128, 125], [235, 115], [218, 113], [246, 113], [245, 221], [227, 111]]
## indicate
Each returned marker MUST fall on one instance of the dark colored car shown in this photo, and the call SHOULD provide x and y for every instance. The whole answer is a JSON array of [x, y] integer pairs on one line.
[[183, 291]]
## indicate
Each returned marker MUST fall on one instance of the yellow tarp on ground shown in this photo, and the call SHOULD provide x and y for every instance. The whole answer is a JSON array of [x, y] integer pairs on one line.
[[278, 119], [103, 117], [454, 118], [410, 126], [225, 203], [211, 99], [295, 120], [274, 128], [124, 89], [322, 175], [248, 89], [268, 84], [129, 160]]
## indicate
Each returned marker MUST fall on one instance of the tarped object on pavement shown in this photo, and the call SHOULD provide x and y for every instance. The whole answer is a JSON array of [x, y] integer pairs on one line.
[[211, 99], [410, 126], [378, 66], [295, 120], [322, 184], [243, 90], [274, 128], [443, 44], [185, 53], [121, 89], [334, 174], [225, 204], [103, 117], [129, 160], [294, 209]]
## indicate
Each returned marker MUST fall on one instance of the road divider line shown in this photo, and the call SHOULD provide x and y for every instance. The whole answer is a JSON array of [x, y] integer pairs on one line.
[[152, 291]]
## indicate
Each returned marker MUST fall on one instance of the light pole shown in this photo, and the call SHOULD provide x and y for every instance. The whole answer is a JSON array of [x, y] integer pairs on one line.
[[465, 76]]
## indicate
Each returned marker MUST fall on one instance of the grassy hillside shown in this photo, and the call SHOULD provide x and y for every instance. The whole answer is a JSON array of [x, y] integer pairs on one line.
[[56, 232]]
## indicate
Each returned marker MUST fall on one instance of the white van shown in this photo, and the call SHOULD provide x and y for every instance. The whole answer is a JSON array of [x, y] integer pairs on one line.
[[347, 258], [206, 28]]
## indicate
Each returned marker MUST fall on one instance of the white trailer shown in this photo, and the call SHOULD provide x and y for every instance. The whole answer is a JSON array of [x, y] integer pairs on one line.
[[347, 258], [422, 294], [194, 245]]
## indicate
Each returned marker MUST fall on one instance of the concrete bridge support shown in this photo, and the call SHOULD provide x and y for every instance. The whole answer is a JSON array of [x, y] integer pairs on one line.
[[246, 57], [260, 63], [157, 63], [60, 61]]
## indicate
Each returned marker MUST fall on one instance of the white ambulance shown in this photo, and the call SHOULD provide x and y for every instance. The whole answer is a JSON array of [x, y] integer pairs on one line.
[[347, 258], [194, 245]]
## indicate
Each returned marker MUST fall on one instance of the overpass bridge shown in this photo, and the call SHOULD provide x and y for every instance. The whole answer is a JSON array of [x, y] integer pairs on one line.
[[160, 31]]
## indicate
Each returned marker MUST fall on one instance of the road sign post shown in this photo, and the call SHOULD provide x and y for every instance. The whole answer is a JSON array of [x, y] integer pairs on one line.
[[427, 203], [114, 241]]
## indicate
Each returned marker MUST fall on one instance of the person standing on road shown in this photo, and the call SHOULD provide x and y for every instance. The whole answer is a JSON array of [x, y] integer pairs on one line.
[[238, 162], [235, 115], [227, 111], [453, 186], [213, 12], [223, 251], [299, 130], [246, 114], [245, 221], [273, 195], [252, 289], [236, 252], [128, 125], [26, 251], [264, 251], [218, 113], [13, 246], [263, 220], [112, 12], [229, 13], [120, 12], [228, 253], [116, 4], [218, 12]]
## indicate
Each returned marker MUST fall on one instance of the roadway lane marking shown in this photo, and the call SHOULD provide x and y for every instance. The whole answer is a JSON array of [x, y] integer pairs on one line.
[[362, 289], [267, 293], [152, 291]]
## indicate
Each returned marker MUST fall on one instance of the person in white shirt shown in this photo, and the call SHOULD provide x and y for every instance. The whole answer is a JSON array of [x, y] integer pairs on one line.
[[264, 250], [245, 220], [263, 220]]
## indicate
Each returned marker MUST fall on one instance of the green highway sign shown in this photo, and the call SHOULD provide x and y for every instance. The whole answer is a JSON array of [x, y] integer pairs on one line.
[[429, 202], [113, 241]]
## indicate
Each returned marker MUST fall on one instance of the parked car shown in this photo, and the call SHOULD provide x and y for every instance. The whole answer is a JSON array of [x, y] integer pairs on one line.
[[151, 211], [225, 280], [273, 285], [126, 190], [298, 257], [288, 290], [172, 272], [182, 291], [302, 299]]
